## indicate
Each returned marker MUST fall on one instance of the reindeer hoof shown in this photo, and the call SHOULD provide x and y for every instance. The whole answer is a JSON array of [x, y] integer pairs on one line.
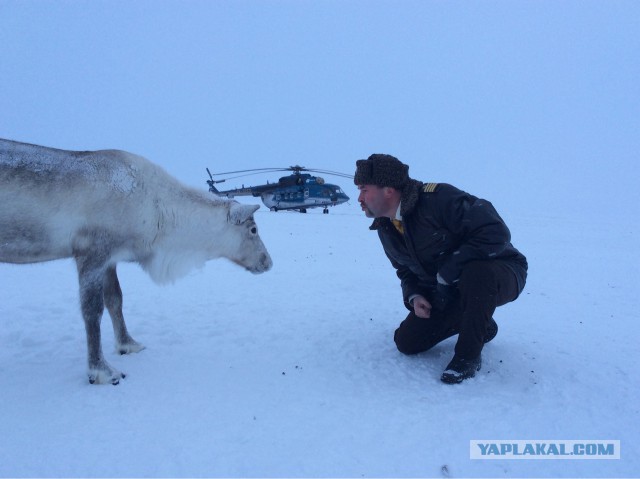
[[116, 381], [128, 348], [105, 376]]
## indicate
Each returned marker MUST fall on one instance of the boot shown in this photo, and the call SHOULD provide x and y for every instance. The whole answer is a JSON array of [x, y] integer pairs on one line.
[[460, 369]]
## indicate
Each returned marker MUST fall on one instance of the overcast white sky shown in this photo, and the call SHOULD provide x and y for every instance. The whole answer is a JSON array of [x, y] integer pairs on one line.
[[544, 93]]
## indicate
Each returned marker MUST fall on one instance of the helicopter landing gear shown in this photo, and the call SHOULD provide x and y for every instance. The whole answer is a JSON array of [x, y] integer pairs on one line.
[[303, 210], [325, 211]]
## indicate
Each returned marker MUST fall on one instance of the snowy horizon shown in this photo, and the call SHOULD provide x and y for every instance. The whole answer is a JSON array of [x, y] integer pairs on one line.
[[534, 106]]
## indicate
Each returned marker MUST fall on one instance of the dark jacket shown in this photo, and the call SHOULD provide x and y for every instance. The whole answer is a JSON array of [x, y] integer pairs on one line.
[[444, 228]]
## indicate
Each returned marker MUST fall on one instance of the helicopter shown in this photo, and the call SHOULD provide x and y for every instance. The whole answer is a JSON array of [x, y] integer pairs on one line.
[[299, 191]]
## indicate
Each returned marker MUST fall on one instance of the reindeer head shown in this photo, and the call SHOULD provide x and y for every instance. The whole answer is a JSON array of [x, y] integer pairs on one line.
[[248, 249]]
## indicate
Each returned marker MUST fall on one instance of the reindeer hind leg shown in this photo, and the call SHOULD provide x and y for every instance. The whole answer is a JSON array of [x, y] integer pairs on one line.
[[112, 292], [91, 272]]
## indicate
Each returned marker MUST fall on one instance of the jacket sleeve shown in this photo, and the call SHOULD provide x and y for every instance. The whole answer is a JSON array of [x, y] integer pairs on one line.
[[481, 232], [409, 283]]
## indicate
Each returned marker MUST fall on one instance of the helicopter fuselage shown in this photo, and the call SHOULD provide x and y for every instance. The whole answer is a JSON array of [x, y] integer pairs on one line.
[[294, 192]]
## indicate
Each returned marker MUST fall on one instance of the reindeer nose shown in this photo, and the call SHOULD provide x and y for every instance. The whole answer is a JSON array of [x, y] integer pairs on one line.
[[263, 265]]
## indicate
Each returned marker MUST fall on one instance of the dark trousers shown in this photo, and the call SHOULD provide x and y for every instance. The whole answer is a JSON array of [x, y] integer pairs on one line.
[[483, 286]]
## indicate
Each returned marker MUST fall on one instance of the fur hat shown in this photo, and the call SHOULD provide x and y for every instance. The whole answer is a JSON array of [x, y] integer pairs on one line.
[[381, 170]]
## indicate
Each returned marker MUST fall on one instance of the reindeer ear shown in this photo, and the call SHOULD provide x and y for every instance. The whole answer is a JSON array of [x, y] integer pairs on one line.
[[238, 213]]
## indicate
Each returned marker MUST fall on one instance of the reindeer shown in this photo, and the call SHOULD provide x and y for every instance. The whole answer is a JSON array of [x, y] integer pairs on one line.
[[103, 207]]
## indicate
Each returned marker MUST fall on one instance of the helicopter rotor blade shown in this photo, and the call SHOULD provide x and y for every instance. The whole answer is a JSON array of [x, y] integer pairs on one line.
[[257, 170], [297, 169], [250, 172], [329, 172]]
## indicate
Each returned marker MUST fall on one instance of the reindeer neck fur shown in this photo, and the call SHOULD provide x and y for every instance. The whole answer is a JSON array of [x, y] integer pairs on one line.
[[192, 229]]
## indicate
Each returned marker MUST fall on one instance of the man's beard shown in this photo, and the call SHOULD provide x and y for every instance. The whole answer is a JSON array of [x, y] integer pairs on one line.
[[368, 213]]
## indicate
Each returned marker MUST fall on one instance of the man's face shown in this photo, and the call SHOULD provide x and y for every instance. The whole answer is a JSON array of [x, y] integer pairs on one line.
[[373, 200]]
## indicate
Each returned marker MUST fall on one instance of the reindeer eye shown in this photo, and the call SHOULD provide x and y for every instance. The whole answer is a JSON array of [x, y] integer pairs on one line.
[[254, 230]]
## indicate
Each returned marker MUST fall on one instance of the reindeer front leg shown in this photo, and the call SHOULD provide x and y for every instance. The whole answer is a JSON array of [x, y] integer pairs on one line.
[[112, 292], [91, 275]]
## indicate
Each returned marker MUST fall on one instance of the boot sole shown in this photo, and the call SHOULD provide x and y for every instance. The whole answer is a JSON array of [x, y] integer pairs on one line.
[[455, 379]]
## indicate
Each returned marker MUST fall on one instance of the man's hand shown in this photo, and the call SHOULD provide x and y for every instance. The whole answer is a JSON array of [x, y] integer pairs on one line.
[[421, 307]]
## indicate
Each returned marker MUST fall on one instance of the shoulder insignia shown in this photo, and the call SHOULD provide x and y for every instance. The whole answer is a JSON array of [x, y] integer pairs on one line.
[[430, 187]]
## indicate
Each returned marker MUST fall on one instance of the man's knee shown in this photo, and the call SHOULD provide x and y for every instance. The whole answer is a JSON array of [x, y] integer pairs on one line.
[[417, 335], [488, 279], [477, 274], [406, 344]]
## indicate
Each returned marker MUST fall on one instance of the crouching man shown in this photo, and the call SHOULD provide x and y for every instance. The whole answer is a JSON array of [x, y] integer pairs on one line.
[[453, 255]]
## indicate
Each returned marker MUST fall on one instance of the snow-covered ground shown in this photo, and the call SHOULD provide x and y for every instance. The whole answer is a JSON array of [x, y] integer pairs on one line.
[[295, 373], [532, 105]]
